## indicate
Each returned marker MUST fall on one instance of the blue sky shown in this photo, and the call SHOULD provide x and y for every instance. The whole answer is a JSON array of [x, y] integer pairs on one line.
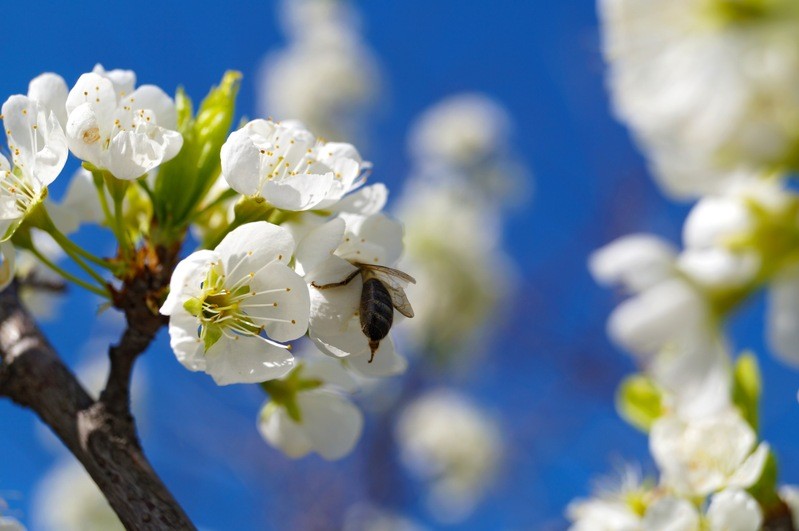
[[550, 374]]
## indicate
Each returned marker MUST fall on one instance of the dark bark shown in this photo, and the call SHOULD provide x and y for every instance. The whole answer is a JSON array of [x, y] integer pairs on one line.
[[100, 433]]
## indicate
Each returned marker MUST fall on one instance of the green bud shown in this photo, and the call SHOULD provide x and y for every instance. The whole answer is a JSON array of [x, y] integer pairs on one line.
[[639, 401], [183, 182], [746, 388]]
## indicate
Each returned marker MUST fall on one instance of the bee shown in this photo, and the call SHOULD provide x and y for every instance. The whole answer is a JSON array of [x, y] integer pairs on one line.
[[382, 292]]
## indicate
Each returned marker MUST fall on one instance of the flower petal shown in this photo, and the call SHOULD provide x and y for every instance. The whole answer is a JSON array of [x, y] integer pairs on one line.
[[248, 248], [98, 92], [319, 244], [246, 359], [187, 279], [51, 91], [280, 431], [387, 362], [152, 98], [36, 140], [734, 510], [332, 422], [298, 192], [279, 301]]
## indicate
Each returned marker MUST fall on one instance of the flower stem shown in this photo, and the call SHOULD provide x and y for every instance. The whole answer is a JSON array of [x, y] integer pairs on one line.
[[69, 276]]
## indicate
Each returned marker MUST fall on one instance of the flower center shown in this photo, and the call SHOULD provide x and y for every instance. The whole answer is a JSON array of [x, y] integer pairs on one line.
[[219, 311]]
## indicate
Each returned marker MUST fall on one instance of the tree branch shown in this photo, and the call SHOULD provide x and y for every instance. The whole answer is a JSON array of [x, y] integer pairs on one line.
[[101, 434]]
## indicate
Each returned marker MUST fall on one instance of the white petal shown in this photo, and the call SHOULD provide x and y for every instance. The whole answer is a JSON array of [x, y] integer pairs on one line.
[[387, 362], [734, 510], [298, 192], [187, 278], [51, 91], [751, 469], [374, 239], [98, 92], [185, 340], [670, 513], [783, 316], [246, 359], [131, 154], [281, 294], [718, 268], [334, 310], [250, 247], [637, 261], [318, 245], [241, 163], [152, 98], [658, 315], [330, 271], [332, 422], [84, 135], [280, 431], [122, 80], [715, 219], [37, 142], [365, 202]]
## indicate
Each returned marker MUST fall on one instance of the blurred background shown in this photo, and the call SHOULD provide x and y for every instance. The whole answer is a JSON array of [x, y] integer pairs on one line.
[[543, 177]]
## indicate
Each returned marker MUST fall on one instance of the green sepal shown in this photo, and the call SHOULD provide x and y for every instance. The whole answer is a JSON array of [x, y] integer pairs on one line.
[[194, 306], [765, 488], [211, 334], [284, 392], [747, 388], [639, 401]]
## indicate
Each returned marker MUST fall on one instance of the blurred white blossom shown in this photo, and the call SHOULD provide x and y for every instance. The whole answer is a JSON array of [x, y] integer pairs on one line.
[[326, 76], [452, 444], [708, 86], [700, 456], [68, 500]]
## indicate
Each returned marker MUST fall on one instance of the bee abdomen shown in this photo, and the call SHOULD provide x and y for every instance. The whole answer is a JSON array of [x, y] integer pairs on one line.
[[377, 311]]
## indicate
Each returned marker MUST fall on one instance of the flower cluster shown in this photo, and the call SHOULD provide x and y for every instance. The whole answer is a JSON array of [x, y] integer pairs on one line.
[[326, 76], [732, 150], [708, 86], [291, 241]]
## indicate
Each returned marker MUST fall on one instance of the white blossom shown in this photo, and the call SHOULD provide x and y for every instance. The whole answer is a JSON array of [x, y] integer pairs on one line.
[[704, 455], [328, 255], [672, 514], [222, 301], [318, 416], [67, 499], [709, 87], [326, 76], [116, 128], [668, 321], [51, 91], [734, 510], [38, 150], [448, 441], [285, 164], [462, 130], [466, 264]]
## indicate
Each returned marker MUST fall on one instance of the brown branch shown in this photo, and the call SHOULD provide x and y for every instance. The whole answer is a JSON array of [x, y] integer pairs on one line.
[[101, 434]]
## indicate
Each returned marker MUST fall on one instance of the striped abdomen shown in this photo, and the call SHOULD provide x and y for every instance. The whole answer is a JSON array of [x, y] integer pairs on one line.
[[377, 312]]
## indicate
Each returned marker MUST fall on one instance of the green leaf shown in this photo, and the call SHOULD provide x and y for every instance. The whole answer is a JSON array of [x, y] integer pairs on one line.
[[747, 388], [639, 401]]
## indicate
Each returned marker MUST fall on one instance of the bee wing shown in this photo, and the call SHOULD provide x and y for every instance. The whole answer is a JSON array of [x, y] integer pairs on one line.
[[398, 297], [388, 272]]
